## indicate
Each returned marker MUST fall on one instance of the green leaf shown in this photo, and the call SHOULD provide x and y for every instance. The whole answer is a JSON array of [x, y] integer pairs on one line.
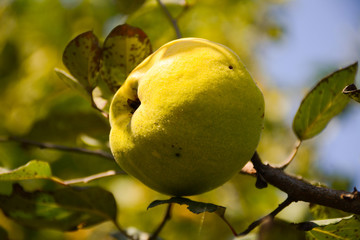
[[279, 229], [32, 170], [193, 206], [124, 48], [322, 212], [323, 102], [82, 58], [346, 228], [128, 7], [65, 209], [72, 83], [3, 233], [352, 92]]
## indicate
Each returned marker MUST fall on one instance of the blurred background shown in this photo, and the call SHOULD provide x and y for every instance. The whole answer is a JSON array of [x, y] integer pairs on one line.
[[287, 45]]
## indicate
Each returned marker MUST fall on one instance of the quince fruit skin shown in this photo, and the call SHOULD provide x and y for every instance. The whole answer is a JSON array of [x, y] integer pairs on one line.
[[187, 118]]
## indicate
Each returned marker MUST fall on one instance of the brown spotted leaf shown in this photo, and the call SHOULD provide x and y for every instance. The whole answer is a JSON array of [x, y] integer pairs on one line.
[[352, 92], [124, 48], [323, 102], [82, 58]]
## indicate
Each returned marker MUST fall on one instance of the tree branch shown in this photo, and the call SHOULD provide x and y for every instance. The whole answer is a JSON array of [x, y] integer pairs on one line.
[[92, 177], [301, 190], [292, 156], [172, 20], [42, 145], [163, 222], [268, 217]]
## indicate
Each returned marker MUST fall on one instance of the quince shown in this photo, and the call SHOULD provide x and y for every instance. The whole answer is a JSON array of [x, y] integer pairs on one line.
[[187, 118]]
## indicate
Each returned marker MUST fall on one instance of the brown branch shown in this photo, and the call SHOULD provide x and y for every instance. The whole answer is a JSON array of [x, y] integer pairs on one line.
[[163, 222], [42, 145], [301, 190]]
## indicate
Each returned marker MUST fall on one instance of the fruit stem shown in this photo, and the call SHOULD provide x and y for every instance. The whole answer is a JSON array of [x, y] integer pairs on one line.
[[166, 218], [42, 145], [268, 217], [291, 157]]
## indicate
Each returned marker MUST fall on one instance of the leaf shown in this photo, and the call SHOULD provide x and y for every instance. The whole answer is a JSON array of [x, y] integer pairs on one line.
[[352, 92], [32, 170], [124, 48], [65, 209], [128, 7], [93, 177], [72, 83], [279, 229], [82, 58], [346, 228], [3, 233], [322, 212], [193, 206], [323, 102]]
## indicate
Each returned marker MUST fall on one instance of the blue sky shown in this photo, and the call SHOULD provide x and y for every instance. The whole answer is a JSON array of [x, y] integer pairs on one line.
[[319, 35]]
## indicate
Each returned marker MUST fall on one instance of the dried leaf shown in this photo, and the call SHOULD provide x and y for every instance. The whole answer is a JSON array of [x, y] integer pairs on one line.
[[352, 92]]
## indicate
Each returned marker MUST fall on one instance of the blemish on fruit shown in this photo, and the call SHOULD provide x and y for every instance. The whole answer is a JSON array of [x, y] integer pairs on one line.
[[231, 67], [177, 154], [134, 104]]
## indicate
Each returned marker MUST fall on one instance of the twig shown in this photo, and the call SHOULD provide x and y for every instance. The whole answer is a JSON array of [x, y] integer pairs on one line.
[[292, 156], [183, 11], [229, 225], [170, 18], [93, 104], [166, 218], [270, 216], [92, 177], [42, 145], [122, 231]]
